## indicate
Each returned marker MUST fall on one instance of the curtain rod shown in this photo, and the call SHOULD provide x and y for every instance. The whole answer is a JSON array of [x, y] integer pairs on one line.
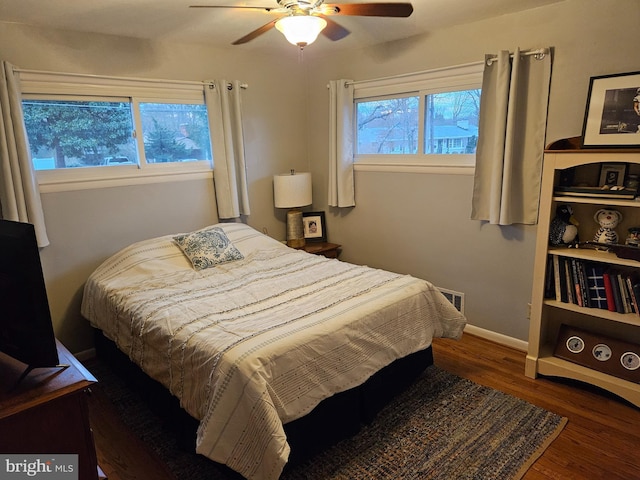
[[244, 86], [411, 74], [539, 53]]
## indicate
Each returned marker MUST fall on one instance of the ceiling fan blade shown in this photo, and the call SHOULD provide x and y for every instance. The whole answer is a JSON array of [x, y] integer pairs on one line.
[[256, 33], [333, 31], [266, 9], [368, 9]]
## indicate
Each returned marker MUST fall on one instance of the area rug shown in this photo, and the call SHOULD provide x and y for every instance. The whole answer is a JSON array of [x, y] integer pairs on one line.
[[443, 427]]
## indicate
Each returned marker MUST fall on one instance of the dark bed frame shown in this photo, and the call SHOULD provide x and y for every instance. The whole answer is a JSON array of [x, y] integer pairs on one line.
[[335, 418]]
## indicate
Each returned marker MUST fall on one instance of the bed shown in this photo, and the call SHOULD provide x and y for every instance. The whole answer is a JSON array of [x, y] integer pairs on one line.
[[252, 337]]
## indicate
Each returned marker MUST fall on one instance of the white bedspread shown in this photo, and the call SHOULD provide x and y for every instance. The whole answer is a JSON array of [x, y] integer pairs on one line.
[[249, 345]]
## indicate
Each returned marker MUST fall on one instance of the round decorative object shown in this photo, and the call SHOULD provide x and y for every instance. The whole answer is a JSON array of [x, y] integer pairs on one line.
[[575, 344], [601, 352], [630, 360]]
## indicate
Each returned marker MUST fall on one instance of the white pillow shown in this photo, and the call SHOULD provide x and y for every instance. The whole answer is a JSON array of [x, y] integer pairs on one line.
[[207, 248]]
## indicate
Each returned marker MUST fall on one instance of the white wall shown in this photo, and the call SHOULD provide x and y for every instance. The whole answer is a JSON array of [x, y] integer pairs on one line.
[[411, 223], [419, 223]]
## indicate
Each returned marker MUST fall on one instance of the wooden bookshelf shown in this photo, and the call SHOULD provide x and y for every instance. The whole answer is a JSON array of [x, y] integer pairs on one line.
[[548, 314]]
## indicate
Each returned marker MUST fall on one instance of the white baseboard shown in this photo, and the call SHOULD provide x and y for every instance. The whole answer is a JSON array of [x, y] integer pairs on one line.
[[497, 338]]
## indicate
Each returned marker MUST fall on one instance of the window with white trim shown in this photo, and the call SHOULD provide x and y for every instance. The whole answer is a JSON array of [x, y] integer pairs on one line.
[[427, 118], [88, 129]]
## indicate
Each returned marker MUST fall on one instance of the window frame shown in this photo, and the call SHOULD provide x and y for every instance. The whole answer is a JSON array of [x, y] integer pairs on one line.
[[52, 86], [421, 84]]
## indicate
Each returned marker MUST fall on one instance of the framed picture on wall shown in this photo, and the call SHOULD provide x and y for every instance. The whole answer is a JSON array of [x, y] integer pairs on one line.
[[612, 117], [314, 226]]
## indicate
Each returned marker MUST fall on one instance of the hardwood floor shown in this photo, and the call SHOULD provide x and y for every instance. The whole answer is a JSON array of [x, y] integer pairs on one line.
[[600, 441]]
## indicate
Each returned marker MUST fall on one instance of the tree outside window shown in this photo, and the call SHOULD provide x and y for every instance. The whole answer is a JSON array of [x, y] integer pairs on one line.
[[65, 134]]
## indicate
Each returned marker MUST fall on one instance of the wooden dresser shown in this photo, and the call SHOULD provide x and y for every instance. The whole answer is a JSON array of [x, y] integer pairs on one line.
[[47, 412]]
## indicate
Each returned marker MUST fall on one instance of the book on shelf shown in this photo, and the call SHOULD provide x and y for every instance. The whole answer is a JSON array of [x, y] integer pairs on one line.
[[633, 286], [615, 286], [597, 291], [592, 284], [608, 288], [597, 192], [560, 281], [624, 294], [569, 281], [550, 283]]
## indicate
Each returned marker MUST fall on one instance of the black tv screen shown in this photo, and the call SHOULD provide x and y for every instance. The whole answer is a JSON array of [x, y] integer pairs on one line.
[[26, 330]]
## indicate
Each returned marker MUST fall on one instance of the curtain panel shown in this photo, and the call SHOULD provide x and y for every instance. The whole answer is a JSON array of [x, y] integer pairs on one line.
[[511, 138], [19, 192], [341, 191], [229, 165]]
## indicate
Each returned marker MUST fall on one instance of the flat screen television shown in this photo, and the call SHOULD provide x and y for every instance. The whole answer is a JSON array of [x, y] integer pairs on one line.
[[26, 330]]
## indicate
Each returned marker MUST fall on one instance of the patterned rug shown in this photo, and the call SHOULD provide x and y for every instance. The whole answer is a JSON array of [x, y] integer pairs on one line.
[[443, 427]]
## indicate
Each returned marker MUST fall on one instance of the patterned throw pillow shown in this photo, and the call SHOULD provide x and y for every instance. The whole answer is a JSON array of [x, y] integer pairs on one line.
[[207, 248]]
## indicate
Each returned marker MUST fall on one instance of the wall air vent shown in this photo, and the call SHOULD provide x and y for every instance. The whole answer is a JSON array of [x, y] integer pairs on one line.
[[456, 298]]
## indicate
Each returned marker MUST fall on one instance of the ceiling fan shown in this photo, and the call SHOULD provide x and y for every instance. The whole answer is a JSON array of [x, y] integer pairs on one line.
[[304, 20]]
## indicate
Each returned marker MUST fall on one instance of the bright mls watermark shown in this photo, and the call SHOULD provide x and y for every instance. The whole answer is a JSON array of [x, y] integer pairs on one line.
[[50, 467]]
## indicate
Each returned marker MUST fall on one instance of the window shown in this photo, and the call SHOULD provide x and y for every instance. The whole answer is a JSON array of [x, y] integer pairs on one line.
[[175, 132], [430, 118], [387, 126], [94, 133], [73, 134], [87, 130], [451, 122]]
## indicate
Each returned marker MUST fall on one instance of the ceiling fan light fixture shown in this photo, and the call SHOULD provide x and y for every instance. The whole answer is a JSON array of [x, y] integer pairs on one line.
[[301, 30]]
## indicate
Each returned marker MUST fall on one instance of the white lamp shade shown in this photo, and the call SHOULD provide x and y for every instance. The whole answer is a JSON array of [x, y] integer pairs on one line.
[[301, 29], [292, 190]]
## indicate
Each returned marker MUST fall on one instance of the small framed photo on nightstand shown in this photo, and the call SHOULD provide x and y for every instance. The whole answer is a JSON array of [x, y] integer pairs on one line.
[[314, 226]]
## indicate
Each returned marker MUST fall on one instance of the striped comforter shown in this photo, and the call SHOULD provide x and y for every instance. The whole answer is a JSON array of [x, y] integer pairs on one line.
[[250, 345]]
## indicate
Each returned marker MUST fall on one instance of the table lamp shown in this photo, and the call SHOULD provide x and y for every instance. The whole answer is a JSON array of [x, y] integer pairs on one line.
[[293, 190]]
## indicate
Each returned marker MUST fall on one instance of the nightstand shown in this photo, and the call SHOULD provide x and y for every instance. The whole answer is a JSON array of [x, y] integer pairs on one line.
[[329, 250]]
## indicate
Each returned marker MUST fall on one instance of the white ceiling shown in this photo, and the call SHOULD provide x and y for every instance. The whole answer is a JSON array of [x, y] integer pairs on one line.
[[172, 20]]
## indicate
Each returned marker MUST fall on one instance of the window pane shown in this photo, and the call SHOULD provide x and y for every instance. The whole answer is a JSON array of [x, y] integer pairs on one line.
[[65, 134], [175, 132], [451, 122], [387, 126]]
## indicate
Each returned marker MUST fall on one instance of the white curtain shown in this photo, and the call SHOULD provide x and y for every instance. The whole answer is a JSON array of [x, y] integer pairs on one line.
[[230, 169], [341, 185], [511, 138], [19, 192]]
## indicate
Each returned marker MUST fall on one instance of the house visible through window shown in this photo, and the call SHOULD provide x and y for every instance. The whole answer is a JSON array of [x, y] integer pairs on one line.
[[451, 122], [387, 126], [175, 133], [428, 118]]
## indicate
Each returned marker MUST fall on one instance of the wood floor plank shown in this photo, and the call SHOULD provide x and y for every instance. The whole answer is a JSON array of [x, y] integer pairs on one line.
[[121, 454], [602, 435], [600, 441]]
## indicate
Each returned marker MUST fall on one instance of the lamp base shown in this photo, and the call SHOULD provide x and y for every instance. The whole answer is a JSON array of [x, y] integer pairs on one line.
[[295, 229]]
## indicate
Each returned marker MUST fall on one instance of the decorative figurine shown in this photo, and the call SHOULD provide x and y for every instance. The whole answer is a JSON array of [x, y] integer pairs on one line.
[[564, 227], [633, 239], [608, 219]]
